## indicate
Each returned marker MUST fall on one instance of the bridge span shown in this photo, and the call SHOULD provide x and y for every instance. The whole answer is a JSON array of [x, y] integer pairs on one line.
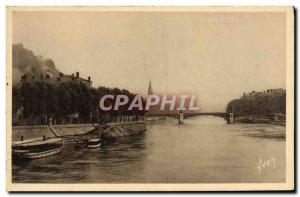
[[188, 114], [229, 117]]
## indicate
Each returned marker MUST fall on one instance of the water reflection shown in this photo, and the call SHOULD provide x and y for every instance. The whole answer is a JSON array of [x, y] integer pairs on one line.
[[203, 150]]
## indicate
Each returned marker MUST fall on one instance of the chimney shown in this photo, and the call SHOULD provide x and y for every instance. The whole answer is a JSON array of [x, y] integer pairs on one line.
[[89, 78], [77, 74]]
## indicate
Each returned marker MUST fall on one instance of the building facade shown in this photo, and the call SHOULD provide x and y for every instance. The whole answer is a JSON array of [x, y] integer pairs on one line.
[[48, 77]]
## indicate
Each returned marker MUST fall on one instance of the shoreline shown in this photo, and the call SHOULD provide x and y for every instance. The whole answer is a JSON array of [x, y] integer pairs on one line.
[[255, 120]]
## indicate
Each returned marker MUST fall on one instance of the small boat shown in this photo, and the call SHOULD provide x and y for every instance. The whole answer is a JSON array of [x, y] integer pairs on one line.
[[94, 143], [36, 148]]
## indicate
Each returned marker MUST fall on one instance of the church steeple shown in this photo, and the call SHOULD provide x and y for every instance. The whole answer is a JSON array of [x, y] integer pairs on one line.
[[150, 91]]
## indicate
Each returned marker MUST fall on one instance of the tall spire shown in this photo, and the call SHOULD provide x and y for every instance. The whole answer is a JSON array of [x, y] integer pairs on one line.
[[150, 91]]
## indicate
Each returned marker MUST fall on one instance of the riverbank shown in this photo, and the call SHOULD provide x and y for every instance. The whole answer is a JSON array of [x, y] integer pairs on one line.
[[258, 120]]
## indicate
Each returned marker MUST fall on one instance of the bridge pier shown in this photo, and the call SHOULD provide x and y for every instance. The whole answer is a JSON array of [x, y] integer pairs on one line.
[[230, 119]]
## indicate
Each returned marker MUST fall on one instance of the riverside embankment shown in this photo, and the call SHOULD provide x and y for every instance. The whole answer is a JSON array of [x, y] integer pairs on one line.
[[38, 131], [109, 130], [276, 119]]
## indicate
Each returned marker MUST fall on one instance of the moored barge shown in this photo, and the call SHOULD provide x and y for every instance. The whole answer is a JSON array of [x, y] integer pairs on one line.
[[124, 129], [36, 148]]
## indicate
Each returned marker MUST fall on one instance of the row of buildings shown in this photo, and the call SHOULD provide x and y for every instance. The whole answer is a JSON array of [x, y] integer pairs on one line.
[[268, 91], [48, 77]]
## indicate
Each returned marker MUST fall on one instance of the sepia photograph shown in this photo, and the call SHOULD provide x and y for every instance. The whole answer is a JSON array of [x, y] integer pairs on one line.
[[150, 98]]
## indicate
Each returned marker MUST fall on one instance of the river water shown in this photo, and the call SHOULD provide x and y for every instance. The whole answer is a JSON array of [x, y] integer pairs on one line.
[[203, 150]]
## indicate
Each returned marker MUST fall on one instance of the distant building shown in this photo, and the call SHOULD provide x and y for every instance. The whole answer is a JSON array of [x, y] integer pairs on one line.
[[48, 77], [74, 79], [266, 92]]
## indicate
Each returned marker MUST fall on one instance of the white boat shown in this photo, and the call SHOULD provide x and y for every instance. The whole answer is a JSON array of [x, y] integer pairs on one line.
[[36, 148], [94, 143]]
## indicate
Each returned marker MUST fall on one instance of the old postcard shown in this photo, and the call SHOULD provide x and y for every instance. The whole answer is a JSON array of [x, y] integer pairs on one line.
[[150, 98]]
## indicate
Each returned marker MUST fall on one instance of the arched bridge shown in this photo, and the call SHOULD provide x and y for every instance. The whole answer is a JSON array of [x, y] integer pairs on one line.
[[189, 114], [227, 116]]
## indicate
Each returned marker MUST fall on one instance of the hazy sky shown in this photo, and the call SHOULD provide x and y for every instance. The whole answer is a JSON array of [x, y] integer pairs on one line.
[[216, 56]]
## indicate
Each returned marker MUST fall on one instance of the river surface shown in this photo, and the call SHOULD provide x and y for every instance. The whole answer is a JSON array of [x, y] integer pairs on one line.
[[203, 150]]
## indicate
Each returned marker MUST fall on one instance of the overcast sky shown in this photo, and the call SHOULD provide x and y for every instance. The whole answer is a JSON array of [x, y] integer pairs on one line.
[[216, 56]]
